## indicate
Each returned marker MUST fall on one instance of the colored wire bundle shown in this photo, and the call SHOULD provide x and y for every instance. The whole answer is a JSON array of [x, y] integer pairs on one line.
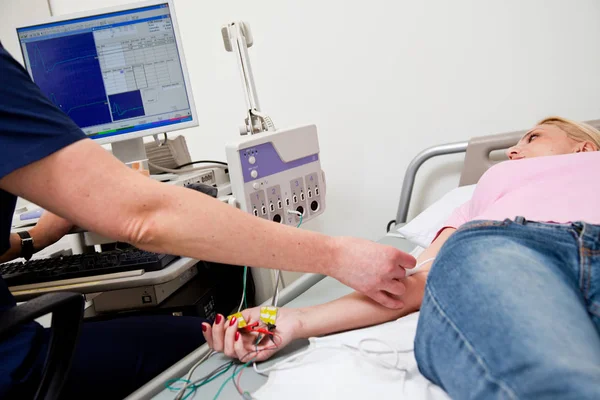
[[193, 385], [245, 395], [232, 378], [222, 369]]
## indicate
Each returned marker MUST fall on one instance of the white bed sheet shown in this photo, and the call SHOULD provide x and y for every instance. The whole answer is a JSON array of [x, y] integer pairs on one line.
[[336, 374]]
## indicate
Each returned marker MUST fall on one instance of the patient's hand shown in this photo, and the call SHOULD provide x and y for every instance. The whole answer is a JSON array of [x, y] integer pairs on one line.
[[223, 336]]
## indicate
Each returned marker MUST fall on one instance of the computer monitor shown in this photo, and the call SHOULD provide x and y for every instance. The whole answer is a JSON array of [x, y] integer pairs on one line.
[[119, 73]]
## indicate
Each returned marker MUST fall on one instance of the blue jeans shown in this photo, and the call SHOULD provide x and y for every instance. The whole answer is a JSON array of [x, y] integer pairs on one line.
[[512, 311]]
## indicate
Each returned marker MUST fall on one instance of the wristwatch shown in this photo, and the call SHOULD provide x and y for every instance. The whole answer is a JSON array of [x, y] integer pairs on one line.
[[26, 245]]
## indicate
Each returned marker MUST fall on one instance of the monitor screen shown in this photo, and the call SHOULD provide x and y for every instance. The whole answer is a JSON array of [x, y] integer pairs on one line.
[[115, 73]]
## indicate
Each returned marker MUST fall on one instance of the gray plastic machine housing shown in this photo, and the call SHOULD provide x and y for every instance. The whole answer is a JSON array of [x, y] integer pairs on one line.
[[276, 175]]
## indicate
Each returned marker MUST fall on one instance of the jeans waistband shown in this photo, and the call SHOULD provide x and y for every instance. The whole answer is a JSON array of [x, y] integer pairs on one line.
[[589, 231]]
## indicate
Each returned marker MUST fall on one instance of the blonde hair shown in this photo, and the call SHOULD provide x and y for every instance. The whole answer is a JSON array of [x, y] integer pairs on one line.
[[578, 131]]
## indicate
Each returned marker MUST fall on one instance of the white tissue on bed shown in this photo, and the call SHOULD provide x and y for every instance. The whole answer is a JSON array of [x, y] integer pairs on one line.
[[337, 374]]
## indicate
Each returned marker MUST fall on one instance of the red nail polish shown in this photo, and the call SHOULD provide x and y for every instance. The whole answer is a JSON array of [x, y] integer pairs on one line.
[[218, 319], [204, 328], [232, 321], [237, 336]]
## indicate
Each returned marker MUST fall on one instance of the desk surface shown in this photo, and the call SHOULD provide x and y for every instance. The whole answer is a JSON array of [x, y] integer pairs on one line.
[[325, 290]]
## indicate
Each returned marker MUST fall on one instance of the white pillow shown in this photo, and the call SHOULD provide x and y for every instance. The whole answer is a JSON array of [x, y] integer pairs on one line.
[[422, 229]]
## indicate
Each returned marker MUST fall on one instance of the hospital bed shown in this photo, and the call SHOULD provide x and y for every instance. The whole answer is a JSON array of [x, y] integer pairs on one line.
[[314, 289]]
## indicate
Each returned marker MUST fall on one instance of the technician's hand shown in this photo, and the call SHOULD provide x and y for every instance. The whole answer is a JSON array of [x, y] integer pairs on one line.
[[49, 229], [224, 336], [372, 269]]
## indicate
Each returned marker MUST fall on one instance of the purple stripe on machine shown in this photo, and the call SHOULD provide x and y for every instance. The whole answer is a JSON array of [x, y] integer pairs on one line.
[[264, 159]]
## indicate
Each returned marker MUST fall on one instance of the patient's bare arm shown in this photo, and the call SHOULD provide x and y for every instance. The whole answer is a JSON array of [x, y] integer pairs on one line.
[[356, 310], [349, 312]]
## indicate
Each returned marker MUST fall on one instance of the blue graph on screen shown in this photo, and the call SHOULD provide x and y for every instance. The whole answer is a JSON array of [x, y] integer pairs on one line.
[[68, 72], [126, 105]]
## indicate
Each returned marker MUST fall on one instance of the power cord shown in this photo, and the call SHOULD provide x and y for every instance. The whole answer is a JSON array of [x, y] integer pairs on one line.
[[389, 225], [179, 171], [201, 162]]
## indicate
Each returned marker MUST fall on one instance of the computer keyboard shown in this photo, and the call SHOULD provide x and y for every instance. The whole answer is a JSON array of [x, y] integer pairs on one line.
[[80, 265]]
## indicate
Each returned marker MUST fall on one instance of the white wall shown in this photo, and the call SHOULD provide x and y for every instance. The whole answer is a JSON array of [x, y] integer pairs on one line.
[[385, 79], [15, 13]]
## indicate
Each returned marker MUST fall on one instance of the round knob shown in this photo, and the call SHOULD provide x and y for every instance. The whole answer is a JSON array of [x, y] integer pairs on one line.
[[256, 185], [252, 160], [254, 174]]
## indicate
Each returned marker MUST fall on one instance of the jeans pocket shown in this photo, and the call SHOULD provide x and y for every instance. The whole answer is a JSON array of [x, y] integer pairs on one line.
[[479, 224]]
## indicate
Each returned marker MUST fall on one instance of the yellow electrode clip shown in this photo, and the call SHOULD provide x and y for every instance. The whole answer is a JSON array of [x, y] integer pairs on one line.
[[240, 319], [268, 315]]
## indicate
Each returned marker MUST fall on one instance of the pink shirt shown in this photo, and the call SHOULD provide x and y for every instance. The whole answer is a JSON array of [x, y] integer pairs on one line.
[[561, 189]]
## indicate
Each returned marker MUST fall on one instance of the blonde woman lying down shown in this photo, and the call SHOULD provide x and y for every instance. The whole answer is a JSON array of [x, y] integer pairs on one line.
[[510, 306]]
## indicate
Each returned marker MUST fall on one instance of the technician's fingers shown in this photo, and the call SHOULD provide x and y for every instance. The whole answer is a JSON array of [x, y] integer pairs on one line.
[[230, 332], [218, 331], [395, 287], [207, 332], [387, 301], [397, 273], [406, 260]]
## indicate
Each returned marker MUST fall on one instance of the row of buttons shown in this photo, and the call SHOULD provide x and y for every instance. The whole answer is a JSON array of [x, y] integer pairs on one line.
[[271, 207], [302, 198], [256, 186], [314, 206]]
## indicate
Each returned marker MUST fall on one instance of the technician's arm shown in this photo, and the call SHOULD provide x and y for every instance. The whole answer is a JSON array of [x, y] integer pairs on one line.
[[86, 185], [349, 312], [49, 229]]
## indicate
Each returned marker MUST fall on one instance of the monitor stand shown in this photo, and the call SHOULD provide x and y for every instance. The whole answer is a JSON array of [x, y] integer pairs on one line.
[[129, 151]]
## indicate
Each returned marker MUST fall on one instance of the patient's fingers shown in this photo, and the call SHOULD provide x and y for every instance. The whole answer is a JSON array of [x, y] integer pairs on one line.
[[218, 332], [246, 349], [265, 351], [395, 287], [207, 332], [230, 332], [243, 345], [387, 301]]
